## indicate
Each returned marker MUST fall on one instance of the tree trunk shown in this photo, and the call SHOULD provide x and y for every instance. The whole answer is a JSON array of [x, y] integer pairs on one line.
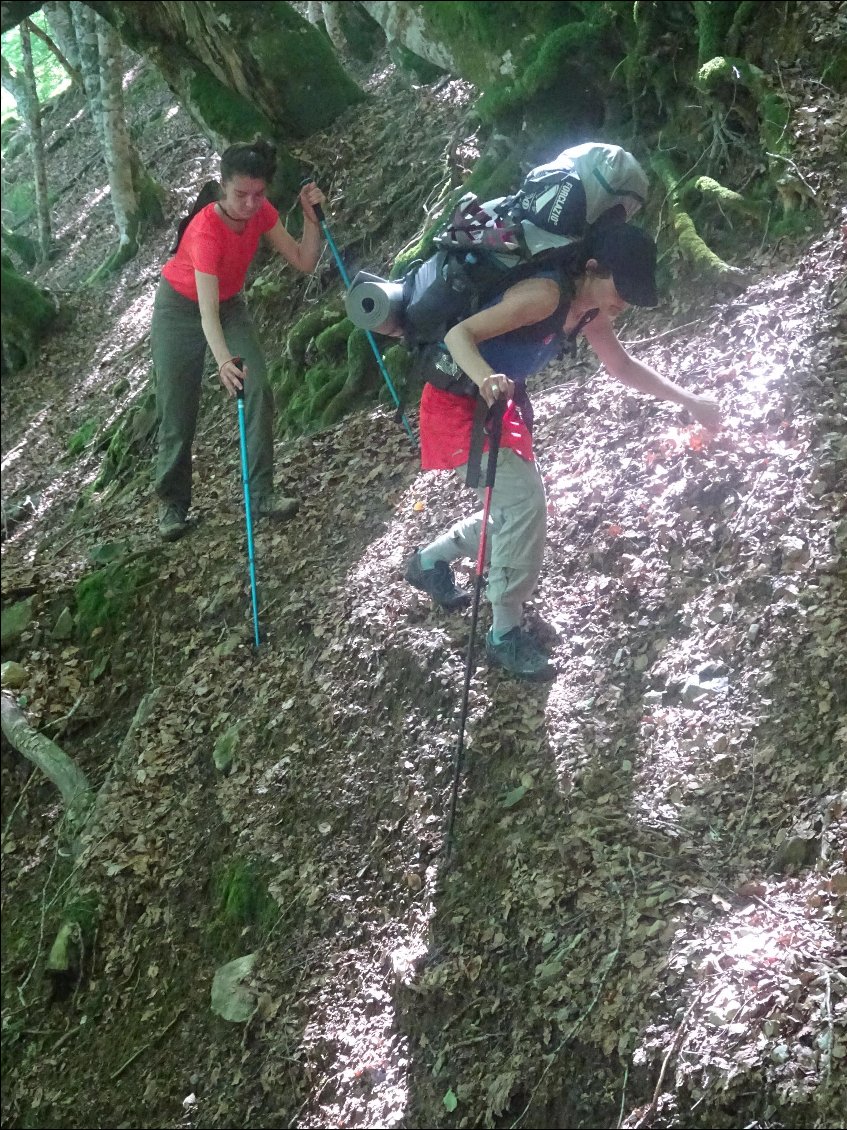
[[89, 62], [117, 148], [52, 761], [331, 11], [61, 24], [239, 69], [74, 72], [33, 114]]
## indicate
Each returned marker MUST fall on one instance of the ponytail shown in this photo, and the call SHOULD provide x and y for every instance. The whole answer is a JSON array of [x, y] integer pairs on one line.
[[209, 193]]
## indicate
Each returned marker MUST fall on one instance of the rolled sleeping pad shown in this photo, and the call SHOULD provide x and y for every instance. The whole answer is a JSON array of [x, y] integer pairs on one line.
[[375, 304]]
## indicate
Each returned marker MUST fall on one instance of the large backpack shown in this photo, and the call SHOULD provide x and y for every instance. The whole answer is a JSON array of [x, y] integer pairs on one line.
[[489, 247]]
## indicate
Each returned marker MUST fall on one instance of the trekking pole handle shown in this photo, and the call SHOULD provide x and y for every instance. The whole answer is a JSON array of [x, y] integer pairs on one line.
[[239, 363], [319, 212]]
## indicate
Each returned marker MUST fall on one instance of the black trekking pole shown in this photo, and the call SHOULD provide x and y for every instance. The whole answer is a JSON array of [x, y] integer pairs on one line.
[[496, 414], [345, 278]]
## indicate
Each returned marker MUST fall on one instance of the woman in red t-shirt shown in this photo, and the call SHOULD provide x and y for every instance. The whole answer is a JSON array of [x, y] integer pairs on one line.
[[199, 305]]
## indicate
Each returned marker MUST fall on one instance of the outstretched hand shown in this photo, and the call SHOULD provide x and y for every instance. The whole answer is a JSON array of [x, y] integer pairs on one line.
[[310, 196]]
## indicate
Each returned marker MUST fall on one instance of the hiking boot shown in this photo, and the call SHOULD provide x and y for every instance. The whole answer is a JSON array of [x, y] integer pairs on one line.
[[437, 582], [274, 509], [172, 523], [520, 655]]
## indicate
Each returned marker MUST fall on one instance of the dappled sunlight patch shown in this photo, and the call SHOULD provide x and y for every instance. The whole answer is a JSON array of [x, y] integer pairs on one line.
[[760, 995]]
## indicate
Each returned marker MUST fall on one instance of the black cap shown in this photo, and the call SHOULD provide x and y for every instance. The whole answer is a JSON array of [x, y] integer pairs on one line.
[[630, 254]]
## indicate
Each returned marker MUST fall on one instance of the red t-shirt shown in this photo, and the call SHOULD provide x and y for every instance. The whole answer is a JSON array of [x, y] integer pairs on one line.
[[208, 245], [446, 424]]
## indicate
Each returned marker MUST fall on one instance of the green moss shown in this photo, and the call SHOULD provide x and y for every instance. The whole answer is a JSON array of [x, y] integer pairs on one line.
[[362, 379], [299, 80], [332, 342], [487, 35], [329, 389], [308, 327], [774, 115], [729, 69], [25, 248], [27, 312], [363, 34], [243, 906], [225, 111], [725, 197], [743, 14], [406, 60], [555, 79], [105, 598], [318, 375], [82, 437], [714, 18]]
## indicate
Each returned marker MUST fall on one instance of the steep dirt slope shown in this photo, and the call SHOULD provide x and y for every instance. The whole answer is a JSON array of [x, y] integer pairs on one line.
[[644, 920]]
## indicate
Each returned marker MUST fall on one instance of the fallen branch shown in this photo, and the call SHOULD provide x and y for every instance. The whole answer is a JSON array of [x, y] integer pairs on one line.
[[53, 762]]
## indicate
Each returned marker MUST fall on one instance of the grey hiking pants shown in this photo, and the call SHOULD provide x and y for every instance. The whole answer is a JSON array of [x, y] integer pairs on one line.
[[179, 353], [516, 534]]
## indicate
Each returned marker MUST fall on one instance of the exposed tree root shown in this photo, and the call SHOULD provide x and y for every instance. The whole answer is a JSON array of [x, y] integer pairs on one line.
[[54, 763], [692, 246]]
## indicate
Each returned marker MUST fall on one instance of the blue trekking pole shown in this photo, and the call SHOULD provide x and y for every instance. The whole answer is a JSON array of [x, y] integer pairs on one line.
[[242, 432], [345, 278]]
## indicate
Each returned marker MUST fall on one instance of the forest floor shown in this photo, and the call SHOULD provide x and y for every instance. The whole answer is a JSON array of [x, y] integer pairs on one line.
[[643, 924]]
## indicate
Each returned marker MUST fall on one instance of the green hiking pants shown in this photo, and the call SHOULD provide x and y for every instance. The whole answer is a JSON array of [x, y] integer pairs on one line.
[[179, 354]]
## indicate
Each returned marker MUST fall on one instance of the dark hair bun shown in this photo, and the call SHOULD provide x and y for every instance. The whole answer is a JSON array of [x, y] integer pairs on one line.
[[255, 159]]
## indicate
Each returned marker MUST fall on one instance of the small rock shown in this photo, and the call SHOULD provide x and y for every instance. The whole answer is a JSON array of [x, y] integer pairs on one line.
[[719, 613], [753, 632], [13, 675], [64, 627], [795, 552], [232, 999], [15, 620], [696, 688]]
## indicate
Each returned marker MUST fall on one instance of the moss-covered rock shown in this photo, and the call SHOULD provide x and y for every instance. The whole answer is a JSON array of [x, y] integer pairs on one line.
[[229, 115], [27, 312]]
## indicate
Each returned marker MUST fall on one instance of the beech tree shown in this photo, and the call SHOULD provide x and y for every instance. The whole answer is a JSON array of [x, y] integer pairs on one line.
[[21, 85]]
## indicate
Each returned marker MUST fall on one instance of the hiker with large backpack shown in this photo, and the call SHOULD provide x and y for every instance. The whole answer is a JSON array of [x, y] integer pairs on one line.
[[577, 286], [199, 306]]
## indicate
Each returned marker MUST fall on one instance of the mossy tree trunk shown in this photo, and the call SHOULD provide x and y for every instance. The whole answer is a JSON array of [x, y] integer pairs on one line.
[[39, 166], [135, 195], [240, 68], [89, 62], [21, 85], [117, 149]]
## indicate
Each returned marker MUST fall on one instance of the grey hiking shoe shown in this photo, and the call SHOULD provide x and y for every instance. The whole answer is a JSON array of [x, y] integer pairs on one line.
[[520, 655], [273, 509], [436, 582], [172, 523]]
